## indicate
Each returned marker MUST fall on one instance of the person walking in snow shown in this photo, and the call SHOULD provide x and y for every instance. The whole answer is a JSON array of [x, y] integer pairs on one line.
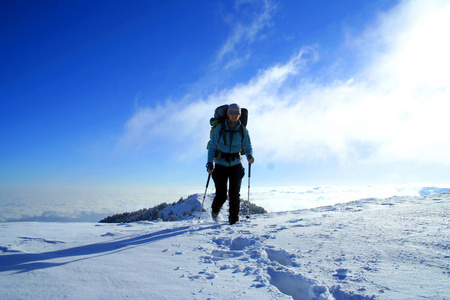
[[225, 147]]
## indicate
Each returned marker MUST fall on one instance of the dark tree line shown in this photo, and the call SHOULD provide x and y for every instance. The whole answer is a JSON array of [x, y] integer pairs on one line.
[[145, 214]]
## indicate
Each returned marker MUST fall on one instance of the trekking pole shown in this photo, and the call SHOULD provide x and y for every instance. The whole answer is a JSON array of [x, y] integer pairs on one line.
[[207, 183], [248, 199]]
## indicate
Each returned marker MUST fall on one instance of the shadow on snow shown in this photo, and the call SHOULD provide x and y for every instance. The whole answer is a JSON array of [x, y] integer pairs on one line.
[[35, 261]]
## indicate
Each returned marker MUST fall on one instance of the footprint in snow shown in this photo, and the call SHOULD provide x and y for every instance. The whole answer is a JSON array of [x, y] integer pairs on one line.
[[295, 285], [222, 241], [341, 273], [237, 244], [240, 243], [280, 256]]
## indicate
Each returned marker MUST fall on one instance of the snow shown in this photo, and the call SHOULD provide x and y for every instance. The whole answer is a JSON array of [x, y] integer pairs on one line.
[[377, 248]]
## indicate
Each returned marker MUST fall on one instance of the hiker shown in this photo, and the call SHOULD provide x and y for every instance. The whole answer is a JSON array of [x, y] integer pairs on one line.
[[225, 150]]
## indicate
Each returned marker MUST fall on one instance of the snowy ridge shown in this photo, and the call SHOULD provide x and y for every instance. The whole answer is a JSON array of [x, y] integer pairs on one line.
[[177, 211], [184, 209], [395, 248]]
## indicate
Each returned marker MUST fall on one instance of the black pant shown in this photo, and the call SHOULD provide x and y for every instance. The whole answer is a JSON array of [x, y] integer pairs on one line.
[[220, 176]]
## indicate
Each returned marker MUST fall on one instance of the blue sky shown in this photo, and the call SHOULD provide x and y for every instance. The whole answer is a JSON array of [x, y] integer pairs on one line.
[[119, 93]]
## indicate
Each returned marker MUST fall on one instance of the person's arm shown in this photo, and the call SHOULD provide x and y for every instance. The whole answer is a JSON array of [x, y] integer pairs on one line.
[[248, 147]]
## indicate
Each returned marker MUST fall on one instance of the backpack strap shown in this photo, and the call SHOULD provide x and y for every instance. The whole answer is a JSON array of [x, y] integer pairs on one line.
[[221, 131], [241, 130]]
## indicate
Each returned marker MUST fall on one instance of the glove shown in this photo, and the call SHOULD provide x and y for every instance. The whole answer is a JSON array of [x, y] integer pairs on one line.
[[209, 165]]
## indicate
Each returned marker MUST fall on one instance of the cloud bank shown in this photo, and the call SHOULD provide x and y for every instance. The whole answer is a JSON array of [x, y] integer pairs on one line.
[[394, 108], [94, 204]]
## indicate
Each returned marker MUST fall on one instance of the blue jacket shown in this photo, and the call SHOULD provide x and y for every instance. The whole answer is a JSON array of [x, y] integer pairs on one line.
[[231, 144]]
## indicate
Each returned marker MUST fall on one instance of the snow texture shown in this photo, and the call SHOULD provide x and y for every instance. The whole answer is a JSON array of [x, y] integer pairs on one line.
[[393, 248]]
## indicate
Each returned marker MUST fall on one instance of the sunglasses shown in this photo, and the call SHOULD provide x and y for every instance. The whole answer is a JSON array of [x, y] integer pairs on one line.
[[234, 112]]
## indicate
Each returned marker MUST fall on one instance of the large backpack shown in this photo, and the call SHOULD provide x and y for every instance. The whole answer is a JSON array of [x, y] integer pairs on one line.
[[220, 115]]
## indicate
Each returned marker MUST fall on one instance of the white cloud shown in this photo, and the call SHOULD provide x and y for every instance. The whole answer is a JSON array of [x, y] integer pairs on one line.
[[179, 128], [394, 109], [234, 50]]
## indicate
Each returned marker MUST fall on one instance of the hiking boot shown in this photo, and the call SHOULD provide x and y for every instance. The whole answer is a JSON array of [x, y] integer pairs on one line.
[[214, 216], [233, 220]]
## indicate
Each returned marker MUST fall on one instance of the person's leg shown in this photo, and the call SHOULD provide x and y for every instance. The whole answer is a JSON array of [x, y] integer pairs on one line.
[[220, 177], [236, 174]]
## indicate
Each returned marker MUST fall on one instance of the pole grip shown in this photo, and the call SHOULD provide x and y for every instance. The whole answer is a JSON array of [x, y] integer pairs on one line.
[[249, 169]]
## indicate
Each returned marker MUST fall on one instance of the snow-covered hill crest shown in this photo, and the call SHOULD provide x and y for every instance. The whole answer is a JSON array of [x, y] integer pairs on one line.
[[183, 209], [396, 248]]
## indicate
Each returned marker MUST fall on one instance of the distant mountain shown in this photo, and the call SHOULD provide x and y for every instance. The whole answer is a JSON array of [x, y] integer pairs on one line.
[[183, 209]]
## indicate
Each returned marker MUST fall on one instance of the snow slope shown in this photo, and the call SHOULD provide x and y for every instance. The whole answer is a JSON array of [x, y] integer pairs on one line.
[[395, 248]]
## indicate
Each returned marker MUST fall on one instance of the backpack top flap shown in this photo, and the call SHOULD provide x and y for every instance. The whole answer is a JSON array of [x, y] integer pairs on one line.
[[220, 115]]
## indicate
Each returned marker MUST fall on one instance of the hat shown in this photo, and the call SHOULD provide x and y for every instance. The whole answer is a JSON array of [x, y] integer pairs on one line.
[[233, 106]]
